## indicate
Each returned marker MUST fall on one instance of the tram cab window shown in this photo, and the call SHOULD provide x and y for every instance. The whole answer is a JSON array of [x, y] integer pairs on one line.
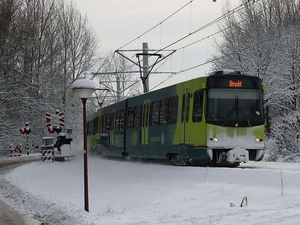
[[229, 106], [197, 106]]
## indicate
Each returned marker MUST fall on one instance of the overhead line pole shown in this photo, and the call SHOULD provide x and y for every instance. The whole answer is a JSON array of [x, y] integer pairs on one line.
[[145, 69], [145, 77]]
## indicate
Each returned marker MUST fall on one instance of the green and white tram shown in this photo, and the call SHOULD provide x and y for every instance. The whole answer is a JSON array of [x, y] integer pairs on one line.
[[217, 120]]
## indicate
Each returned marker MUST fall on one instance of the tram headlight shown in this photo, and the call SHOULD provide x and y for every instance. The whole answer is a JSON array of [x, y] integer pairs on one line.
[[214, 139], [258, 140]]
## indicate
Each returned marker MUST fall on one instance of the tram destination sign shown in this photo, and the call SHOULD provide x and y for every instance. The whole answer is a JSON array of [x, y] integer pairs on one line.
[[234, 81]]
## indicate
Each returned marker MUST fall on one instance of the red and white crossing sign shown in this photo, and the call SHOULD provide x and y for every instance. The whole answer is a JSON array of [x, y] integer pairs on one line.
[[61, 119], [57, 119], [48, 119]]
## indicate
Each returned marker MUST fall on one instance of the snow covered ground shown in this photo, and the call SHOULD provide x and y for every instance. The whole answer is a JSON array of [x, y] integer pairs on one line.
[[134, 193]]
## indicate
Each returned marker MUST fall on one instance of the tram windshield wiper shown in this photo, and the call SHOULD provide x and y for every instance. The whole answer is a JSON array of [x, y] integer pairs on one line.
[[235, 108], [229, 115], [245, 116], [238, 110]]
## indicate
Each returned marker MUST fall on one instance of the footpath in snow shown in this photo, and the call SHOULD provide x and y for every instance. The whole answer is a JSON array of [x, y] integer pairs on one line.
[[122, 192]]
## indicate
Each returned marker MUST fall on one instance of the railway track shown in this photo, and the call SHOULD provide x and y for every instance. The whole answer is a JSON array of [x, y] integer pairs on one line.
[[8, 215], [6, 165]]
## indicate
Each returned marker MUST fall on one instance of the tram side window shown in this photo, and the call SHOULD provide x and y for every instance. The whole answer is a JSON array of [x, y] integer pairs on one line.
[[112, 121], [134, 117], [198, 104], [122, 119], [102, 123], [164, 111], [117, 120], [107, 118], [173, 110], [130, 117], [96, 125], [155, 113], [137, 117]]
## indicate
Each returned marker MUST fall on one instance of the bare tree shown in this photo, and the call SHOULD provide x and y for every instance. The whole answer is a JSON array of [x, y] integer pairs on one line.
[[44, 46], [120, 82]]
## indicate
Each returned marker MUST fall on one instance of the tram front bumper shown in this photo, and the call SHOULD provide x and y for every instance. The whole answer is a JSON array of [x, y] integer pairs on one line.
[[237, 155]]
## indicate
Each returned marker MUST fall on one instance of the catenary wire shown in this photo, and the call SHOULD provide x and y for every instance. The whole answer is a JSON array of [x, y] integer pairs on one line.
[[229, 13], [210, 61], [157, 24]]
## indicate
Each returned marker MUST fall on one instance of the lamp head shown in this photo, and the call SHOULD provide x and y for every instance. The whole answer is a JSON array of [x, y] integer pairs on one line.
[[84, 88]]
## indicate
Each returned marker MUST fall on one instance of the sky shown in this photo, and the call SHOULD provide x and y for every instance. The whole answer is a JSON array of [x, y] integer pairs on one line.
[[117, 23], [135, 193]]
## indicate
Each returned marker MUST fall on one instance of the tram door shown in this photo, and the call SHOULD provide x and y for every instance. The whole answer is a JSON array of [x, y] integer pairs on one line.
[[145, 122], [185, 111], [193, 124]]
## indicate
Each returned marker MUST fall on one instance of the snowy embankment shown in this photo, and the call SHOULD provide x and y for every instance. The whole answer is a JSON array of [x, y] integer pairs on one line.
[[123, 192]]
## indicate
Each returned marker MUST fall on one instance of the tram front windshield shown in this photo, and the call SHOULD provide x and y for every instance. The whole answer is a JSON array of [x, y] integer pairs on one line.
[[234, 107]]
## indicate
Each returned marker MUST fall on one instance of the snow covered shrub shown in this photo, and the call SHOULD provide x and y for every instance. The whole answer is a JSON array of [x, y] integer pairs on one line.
[[284, 138]]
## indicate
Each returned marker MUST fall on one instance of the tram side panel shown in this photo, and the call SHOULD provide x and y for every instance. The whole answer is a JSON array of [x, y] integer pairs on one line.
[[151, 136]]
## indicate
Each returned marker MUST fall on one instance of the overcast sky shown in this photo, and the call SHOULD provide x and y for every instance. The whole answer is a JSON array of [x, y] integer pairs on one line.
[[117, 22]]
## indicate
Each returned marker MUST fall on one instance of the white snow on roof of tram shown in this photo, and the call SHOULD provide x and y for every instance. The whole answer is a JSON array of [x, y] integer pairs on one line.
[[225, 72]]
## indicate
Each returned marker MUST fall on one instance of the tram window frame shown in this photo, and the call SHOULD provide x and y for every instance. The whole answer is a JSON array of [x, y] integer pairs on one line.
[[198, 106]]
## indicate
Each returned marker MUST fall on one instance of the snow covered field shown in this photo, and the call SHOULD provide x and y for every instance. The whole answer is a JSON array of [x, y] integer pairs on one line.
[[134, 193]]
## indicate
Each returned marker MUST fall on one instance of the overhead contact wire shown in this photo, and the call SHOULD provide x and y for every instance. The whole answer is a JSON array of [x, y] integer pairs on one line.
[[235, 10], [157, 24]]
